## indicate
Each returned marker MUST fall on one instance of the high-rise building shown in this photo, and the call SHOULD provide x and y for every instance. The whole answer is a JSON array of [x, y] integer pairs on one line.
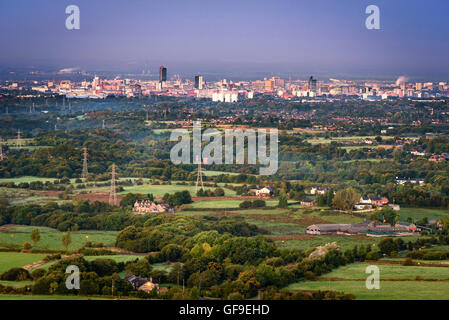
[[269, 85], [312, 84], [199, 82], [162, 74], [95, 82]]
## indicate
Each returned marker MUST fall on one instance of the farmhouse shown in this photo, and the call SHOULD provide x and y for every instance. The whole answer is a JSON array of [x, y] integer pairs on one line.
[[307, 203], [318, 190], [395, 207], [376, 201], [367, 227], [411, 227], [149, 286], [266, 191], [143, 207], [439, 157], [135, 281], [320, 229], [363, 206], [403, 181], [142, 284]]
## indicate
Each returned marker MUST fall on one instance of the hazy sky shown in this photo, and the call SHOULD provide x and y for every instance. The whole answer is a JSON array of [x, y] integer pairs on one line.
[[283, 36]]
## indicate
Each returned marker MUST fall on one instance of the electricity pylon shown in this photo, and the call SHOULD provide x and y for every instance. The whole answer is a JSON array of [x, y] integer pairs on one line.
[[85, 172], [113, 194], [19, 139], [199, 176]]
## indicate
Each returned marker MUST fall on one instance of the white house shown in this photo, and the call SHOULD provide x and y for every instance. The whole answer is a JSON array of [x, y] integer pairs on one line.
[[264, 192]]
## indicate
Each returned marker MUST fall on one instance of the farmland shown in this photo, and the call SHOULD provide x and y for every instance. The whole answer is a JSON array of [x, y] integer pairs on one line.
[[10, 260], [218, 204], [13, 237], [389, 290], [420, 213], [356, 271]]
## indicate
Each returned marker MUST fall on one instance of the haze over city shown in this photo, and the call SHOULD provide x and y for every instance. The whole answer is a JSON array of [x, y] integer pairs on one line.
[[234, 39]]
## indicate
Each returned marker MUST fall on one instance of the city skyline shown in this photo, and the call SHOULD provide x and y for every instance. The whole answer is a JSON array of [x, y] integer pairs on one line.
[[232, 39]]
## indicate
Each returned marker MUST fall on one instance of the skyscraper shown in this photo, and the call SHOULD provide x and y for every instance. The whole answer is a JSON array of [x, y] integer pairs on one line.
[[312, 84], [199, 82], [162, 74]]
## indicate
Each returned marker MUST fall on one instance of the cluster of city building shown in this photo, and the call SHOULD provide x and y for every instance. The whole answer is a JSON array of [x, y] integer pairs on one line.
[[232, 91]]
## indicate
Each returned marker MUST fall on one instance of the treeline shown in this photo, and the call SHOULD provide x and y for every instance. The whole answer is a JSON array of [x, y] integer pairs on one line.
[[79, 215]]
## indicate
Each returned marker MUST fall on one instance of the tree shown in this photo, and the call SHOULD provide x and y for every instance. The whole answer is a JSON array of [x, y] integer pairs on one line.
[[245, 204], [140, 268], [388, 245], [386, 215], [219, 192], [35, 236], [283, 202], [345, 199], [26, 246], [66, 240]]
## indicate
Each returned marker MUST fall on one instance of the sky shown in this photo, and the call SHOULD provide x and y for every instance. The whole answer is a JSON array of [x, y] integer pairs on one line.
[[257, 37]]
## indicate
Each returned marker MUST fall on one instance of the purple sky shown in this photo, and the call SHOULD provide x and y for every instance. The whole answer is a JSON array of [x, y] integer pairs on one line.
[[267, 36]]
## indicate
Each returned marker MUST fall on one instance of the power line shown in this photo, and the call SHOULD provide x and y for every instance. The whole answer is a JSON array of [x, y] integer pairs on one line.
[[199, 176], [113, 194], [1, 149], [84, 172], [19, 139]]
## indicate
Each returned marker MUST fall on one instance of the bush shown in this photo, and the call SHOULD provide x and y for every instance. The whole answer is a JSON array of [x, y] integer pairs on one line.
[[16, 274], [408, 262], [26, 246], [252, 204], [372, 255], [235, 296], [258, 204], [245, 204], [52, 257], [38, 273]]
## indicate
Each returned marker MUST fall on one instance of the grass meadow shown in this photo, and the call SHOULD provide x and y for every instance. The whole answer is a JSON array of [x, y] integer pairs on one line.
[[13, 237], [389, 290], [356, 271], [10, 260]]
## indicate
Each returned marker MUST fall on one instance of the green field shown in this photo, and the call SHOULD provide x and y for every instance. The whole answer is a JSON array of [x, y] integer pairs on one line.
[[389, 290], [356, 271], [218, 204], [116, 258], [349, 139], [160, 190], [420, 213], [28, 179], [162, 266], [345, 242], [15, 236], [16, 284], [211, 173], [10, 260]]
